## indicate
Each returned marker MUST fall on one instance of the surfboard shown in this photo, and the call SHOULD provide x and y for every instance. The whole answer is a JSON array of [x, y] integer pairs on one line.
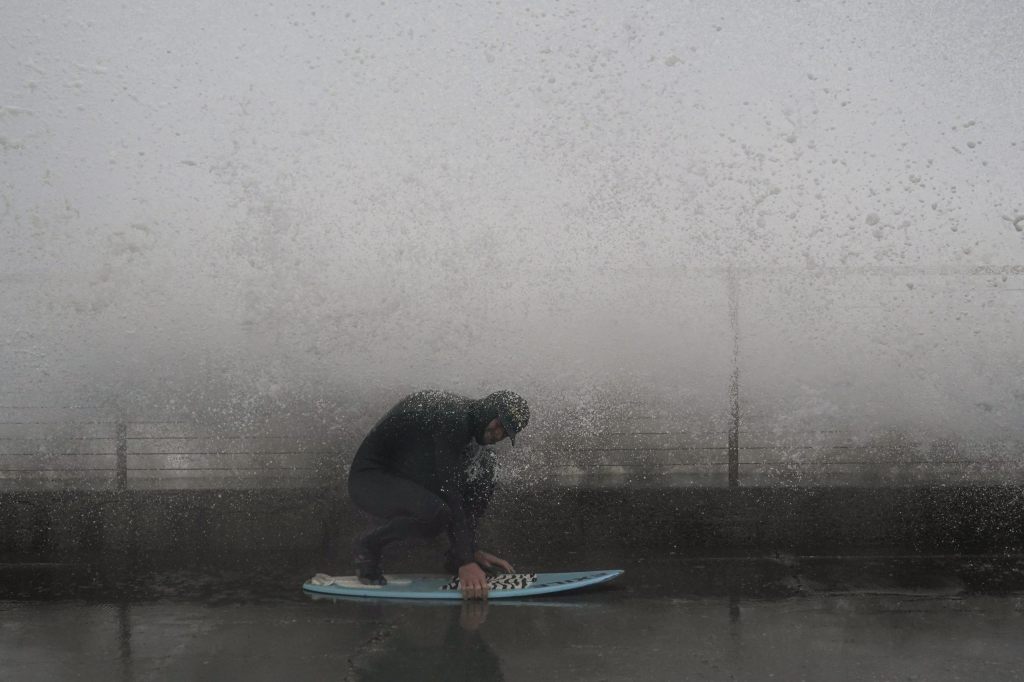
[[416, 586]]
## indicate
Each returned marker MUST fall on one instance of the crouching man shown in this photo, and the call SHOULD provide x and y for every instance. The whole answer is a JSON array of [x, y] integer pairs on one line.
[[422, 469]]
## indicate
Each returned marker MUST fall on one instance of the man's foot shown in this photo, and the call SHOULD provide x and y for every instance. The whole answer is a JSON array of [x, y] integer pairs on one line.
[[371, 576], [367, 562]]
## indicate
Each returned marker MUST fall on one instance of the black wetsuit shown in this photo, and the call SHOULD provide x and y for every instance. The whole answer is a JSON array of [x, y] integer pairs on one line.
[[421, 469]]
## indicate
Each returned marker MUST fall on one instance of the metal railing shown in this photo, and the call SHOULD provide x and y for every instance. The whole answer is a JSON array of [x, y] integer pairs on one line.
[[116, 454], [752, 440]]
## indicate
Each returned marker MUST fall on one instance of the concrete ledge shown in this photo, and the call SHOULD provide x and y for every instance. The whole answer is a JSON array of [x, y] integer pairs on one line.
[[209, 525]]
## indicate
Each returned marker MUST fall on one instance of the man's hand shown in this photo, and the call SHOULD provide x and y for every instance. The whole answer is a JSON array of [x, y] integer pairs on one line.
[[488, 560], [473, 581]]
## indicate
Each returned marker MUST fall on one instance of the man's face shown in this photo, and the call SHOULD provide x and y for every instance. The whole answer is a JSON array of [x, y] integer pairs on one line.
[[494, 432]]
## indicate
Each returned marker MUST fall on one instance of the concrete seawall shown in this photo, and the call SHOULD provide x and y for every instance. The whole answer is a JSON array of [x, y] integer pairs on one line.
[[212, 526]]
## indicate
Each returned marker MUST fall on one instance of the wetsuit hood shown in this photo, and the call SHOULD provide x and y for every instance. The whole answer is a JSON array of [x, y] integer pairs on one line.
[[508, 407]]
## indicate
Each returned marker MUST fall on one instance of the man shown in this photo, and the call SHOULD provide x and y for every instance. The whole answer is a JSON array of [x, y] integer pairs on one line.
[[422, 469]]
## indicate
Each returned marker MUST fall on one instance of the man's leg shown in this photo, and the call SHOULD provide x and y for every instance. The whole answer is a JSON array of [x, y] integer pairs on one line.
[[410, 511]]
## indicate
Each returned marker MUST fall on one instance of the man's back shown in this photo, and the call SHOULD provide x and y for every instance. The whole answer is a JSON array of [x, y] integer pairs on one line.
[[421, 436]]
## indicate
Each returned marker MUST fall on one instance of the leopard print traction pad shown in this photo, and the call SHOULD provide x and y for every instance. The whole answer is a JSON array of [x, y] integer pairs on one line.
[[508, 581]]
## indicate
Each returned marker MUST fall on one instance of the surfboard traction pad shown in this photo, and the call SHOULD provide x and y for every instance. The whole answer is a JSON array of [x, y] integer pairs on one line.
[[510, 581], [507, 581]]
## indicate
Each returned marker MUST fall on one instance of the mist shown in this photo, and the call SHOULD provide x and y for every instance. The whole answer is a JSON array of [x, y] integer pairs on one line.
[[306, 206]]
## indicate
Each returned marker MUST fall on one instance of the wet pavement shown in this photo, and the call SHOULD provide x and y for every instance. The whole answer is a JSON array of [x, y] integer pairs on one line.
[[668, 618]]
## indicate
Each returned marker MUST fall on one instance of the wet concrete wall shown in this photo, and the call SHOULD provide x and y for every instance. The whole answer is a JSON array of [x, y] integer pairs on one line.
[[186, 527]]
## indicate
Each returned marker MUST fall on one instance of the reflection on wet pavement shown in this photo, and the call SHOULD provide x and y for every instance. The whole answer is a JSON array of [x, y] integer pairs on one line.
[[824, 618]]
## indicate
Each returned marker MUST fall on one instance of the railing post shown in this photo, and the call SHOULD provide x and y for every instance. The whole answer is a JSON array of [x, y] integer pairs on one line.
[[122, 456], [734, 382]]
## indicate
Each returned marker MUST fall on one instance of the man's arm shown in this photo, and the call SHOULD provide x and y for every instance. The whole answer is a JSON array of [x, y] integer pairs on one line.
[[449, 465], [463, 538], [448, 460]]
